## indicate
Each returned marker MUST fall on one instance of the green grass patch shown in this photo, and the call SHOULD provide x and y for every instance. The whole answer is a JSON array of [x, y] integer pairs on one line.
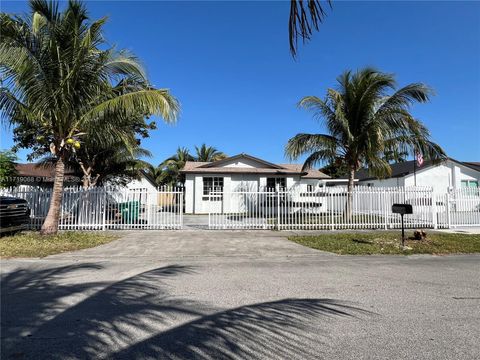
[[389, 243], [32, 244]]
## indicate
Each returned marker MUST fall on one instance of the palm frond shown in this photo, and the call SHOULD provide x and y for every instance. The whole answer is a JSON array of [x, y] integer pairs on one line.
[[302, 144], [305, 18], [153, 102]]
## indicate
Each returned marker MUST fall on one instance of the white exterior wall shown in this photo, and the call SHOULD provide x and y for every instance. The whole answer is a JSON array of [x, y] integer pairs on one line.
[[144, 184], [391, 182], [140, 184], [189, 193], [439, 177], [196, 203], [463, 173], [447, 175], [443, 177], [243, 163], [244, 182]]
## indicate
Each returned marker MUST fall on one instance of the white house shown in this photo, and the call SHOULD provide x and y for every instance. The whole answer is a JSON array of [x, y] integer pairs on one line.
[[444, 176], [241, 173], [142, 183]]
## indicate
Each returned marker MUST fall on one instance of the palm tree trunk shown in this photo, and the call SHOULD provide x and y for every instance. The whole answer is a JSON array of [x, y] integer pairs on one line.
[[349, 204], [50, 225]]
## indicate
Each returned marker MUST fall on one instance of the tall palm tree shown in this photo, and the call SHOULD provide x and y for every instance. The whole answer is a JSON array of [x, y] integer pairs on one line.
[[170, 168], [366, 117], [208, 153], [57, 80]]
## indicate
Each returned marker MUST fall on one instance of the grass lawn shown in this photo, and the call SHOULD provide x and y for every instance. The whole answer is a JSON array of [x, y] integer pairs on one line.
[[32, 244], [389, 242]]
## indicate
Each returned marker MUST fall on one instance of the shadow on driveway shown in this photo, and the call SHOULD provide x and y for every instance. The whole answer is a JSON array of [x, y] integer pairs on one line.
[[137, 318]]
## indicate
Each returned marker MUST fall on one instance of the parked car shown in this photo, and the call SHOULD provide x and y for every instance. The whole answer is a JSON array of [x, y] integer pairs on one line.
[[14, 214]]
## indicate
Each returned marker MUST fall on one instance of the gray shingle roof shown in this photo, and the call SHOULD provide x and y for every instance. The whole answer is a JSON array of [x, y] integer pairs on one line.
[[193, 167]]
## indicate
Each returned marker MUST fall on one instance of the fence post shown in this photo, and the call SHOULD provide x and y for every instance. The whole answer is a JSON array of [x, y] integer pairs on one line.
[[181, 209], [434, 211], [447, 208], [330, 196], [104, 214], [385, 209], [278, 209]]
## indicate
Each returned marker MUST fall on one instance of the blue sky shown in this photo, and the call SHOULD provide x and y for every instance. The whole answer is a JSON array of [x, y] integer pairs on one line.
[[229, 65]]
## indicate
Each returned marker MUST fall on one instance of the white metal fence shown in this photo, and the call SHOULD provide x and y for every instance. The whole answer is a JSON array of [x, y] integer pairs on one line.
[[292, 209], [326, 209], [107, 208]]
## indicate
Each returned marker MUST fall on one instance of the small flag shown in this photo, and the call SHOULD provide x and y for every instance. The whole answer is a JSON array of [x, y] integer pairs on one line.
[[419, 159]]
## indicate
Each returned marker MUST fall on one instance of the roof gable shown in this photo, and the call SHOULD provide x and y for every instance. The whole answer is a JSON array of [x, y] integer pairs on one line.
[[242, 161]]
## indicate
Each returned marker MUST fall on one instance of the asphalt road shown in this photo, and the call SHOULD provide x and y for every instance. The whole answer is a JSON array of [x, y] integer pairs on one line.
[[236, 295]]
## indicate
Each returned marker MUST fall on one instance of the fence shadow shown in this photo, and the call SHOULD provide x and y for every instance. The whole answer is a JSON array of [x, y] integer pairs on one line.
[[117, 320]]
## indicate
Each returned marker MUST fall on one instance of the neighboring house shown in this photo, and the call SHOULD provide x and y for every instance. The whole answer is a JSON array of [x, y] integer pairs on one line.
[[143, 183], [32, 174], [443, 176], [242, 173]]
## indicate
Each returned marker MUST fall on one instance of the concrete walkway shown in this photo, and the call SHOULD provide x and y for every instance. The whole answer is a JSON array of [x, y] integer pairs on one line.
[[196, 244]]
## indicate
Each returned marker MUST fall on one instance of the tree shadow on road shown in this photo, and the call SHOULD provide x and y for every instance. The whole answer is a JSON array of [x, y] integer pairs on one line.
[[46, 317], [284, 329]]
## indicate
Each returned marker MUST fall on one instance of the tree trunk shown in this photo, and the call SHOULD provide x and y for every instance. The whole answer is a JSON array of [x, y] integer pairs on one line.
[[50, 225], [85, 182], [349, 204]]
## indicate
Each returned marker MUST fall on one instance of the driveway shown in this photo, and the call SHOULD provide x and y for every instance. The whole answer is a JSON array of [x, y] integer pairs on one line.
[[237, 295]]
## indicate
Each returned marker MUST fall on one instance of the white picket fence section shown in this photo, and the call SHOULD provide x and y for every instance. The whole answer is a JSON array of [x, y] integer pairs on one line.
[[325, 209], [107, 208], [293, 209]]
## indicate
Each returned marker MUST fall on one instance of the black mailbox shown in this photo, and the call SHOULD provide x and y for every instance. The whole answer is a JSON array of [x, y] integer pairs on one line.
[[402, 209]]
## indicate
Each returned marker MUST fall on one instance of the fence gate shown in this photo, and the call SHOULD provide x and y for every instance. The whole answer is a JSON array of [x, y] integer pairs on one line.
[[107, 208], [459, 207], [326, 209]]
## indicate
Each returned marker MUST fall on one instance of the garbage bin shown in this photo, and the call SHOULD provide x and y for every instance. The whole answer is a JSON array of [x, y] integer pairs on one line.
[[129, 211]]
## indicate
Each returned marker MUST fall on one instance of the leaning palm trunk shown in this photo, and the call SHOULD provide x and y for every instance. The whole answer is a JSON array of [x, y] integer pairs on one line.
[[50, 225], [349, 204]]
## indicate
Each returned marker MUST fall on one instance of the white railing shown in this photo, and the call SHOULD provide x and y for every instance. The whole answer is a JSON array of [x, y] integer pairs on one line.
[[459, 207], [292, 209], [107, 208], [326, 209]]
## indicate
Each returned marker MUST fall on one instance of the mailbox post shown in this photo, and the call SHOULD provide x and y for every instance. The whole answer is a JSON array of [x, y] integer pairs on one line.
[[402, 209]]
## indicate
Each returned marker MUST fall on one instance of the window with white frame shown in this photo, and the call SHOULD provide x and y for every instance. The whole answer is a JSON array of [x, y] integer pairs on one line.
[[273, 183], [212, 184], [469, 183]]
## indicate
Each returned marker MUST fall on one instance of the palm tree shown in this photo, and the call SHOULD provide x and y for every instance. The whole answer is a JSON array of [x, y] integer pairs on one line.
[[154, 172], [170, 168], [57, 81], [364, 122], [208, 153]]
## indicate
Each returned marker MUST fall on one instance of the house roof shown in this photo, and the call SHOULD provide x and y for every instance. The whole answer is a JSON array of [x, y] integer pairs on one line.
[[472, 164], [37, 170], [407, 168], [266, 168], [240, 156]]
